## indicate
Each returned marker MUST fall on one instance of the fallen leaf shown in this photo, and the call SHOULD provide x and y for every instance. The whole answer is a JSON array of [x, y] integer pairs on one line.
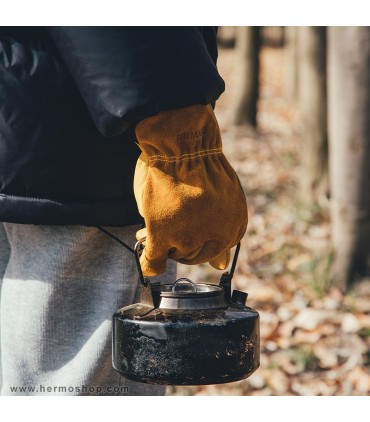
[[309, 319], [350, 324]]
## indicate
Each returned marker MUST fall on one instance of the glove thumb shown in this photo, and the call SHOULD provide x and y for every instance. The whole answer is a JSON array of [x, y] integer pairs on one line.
[[152, 260]]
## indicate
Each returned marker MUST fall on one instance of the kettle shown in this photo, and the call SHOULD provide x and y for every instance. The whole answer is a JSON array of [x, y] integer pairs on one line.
[[186, 333]]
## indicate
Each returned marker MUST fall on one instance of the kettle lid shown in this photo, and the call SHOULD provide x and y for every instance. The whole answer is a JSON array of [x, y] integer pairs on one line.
[[185, 294], [184, 287]]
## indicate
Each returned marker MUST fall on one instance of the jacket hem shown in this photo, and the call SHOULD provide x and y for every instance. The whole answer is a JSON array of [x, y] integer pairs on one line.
[[43, 211]]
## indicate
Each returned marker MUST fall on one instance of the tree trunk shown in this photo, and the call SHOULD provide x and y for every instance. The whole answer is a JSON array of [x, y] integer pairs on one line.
[[272, 36], [349, 134], [313, 106], [291, 59], [247, 50], [226, 36]]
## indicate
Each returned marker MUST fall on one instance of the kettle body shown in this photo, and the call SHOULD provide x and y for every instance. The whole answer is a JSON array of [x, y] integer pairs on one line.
[[178, 347], [187, 334]]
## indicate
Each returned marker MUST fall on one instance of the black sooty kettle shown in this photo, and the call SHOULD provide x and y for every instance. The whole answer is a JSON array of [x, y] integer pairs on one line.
[[186, 333]]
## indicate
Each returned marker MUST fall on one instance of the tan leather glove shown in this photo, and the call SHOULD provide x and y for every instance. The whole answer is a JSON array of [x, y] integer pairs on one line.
[[190, 197]]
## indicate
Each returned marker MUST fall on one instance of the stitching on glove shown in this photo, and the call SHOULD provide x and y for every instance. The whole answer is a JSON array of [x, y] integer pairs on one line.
[[188, 153], [185, 156]]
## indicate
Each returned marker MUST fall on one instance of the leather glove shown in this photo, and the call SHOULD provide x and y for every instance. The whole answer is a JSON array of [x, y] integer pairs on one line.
[[190, 197]]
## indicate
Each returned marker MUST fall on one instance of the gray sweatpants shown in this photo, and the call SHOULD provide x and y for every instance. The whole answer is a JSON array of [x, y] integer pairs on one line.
[[60, 287]]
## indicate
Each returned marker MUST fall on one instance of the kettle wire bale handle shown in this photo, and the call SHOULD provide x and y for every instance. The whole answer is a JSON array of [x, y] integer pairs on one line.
[[225, 281], [138, 249], [226, 277], [233, 265]]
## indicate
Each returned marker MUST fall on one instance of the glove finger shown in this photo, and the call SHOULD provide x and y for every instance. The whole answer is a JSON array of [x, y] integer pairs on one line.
[[180, 256], [141, 233], [221, 261], [153, 258]]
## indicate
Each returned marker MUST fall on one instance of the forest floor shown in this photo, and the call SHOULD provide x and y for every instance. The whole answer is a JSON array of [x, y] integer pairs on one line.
[[314, 339]]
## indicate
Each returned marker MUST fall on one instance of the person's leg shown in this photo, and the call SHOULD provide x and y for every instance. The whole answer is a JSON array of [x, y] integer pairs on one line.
[[60, 289], [4, 251], [4, 258]]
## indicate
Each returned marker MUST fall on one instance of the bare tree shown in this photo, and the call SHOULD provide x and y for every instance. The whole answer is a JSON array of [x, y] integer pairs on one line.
[[291, 58], [272, 36], [349, 134], [313, 106], [226, 36], [247, 50]]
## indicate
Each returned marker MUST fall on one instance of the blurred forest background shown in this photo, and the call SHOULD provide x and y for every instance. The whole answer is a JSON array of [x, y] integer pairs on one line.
[[295, 121]]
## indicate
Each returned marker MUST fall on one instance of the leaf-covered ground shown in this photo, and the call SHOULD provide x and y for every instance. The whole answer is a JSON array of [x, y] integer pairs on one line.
[[314, 340]]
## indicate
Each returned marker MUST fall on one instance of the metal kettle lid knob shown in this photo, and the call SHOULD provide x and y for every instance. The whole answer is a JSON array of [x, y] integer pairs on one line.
[[176, 287]]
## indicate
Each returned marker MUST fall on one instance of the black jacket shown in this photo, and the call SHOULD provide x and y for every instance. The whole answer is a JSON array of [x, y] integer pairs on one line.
[[69, 101]]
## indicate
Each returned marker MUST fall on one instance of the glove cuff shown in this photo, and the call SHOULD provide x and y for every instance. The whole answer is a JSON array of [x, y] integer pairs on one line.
[[180, 134]]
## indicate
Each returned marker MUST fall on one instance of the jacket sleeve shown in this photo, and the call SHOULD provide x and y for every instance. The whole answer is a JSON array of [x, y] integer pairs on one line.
[[125, 74]]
